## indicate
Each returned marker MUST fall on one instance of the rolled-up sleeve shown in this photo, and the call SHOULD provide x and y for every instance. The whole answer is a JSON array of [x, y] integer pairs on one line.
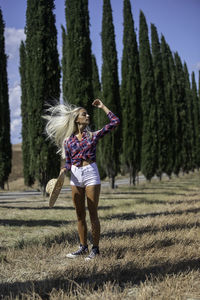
[[114, 122]]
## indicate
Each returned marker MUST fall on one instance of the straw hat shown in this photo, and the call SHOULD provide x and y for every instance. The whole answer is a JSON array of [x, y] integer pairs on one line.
[[54, 187]]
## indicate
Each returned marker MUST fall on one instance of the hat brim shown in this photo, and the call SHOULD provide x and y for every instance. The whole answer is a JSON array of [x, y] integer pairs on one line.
[[56, 190]]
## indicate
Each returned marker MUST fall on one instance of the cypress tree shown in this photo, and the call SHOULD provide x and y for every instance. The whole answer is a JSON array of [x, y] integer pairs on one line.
[[64, 63], [111, 96], [199, 85], [97, 114], [180, 121], [78, 55], [131, 97], [196, 117], [176, 118], [95, 78], [167, 79], [5, 144], [189, 134], [97, 94], [43, 76], [149, 159], [28, 179], [162, 116]]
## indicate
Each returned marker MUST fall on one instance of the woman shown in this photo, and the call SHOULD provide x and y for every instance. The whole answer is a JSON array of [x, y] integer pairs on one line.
[[68, 126]]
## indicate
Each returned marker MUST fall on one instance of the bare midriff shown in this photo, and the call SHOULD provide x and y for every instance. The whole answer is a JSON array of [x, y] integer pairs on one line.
[[86, 162]]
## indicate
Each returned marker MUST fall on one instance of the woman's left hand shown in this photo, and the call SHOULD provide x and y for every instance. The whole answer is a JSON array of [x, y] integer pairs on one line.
[[97, 103]]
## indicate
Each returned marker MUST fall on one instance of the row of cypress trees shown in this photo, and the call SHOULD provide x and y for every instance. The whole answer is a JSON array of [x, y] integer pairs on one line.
[[158, 107], [5, 144], [153, 100]]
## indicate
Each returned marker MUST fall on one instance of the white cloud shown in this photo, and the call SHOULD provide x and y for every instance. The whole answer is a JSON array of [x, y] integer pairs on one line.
[[15, 100], [15, 110], [13, 38], [16, 131], [15, 124], [198, 66]]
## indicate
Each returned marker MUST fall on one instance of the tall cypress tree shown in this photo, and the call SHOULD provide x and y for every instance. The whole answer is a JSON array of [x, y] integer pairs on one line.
[[97, 93], [64, 64], [196, 116], [111, 96], [5, 144], [162, 115], [131, 97], [43, 76], [180, 121], [149, 159], [167, 79], [28, 179], [199, 85], [79, 89], [189, 134], [97, 114]]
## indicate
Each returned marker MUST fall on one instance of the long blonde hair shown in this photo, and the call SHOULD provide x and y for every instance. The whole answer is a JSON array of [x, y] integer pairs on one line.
[[61, 123]]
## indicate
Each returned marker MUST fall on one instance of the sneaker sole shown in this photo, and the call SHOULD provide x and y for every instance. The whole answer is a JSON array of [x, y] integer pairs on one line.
[[75, 256]]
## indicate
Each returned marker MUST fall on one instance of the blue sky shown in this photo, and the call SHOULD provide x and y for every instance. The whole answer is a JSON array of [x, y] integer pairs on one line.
[[177, 20]]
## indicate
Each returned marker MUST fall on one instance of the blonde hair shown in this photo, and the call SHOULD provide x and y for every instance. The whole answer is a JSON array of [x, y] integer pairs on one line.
[[61, 124]]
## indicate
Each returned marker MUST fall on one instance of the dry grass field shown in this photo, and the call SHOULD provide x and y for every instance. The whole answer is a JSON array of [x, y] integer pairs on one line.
[[150, 245]]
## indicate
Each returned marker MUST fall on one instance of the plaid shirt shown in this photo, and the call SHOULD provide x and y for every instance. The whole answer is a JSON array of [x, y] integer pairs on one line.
[[76, 151]]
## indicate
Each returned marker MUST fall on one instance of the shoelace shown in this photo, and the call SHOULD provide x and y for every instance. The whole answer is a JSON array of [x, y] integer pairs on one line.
[[81, 250], [93, 253]]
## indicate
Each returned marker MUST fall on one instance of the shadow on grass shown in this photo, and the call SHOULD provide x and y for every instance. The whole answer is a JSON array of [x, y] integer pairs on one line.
[[132, 216], [53, 208], [131, 232], [20, 201], [168, 193], [117, 274], [33, 223]]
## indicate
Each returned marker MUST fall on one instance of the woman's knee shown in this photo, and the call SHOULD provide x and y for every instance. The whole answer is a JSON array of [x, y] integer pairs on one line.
[[81, 216], [93, 215]]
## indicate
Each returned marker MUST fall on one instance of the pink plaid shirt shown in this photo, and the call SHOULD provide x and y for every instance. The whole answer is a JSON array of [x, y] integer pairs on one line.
[[76, 151]]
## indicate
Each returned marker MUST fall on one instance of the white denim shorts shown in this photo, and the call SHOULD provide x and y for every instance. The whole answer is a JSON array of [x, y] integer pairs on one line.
[[84, 176]]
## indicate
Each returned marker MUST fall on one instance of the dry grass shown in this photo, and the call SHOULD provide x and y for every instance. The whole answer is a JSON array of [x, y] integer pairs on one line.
[[150, 246]]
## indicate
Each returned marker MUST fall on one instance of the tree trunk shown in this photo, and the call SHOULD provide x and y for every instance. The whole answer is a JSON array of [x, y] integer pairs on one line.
[[2, 185], [112, 182]]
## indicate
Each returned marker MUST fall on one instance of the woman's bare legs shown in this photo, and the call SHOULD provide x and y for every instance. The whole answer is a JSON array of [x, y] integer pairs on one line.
[[92, 193], [78, 196]]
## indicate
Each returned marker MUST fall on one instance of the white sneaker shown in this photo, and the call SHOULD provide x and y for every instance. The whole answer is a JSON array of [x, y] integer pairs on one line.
[[83, 250], [94, 253]]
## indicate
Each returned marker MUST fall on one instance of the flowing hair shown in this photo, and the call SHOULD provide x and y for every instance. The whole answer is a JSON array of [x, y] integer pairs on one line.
[[61, 124]]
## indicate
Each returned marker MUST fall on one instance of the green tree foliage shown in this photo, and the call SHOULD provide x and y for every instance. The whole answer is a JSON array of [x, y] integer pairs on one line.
[[28, 179], [149, 153], [162, 108], [97, 114], [98, 122], [131, 97], [189, 135], [180, 109], [196, 116], [5, 144], [64, 64], [43, 76], [199, 85], [110, 88], [167, 79], [77, 55]]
